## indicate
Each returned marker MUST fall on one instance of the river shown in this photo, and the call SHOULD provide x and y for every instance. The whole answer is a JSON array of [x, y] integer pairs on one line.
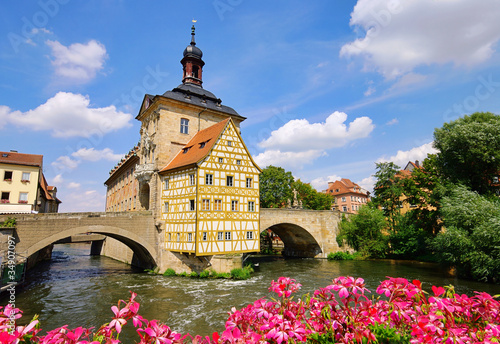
[[77, 289]]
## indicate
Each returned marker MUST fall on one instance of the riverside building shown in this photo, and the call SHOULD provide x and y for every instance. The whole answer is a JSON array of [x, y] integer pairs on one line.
[[191, 169]]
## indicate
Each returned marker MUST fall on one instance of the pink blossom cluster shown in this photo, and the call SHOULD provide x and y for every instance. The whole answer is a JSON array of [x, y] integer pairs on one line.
[[339, 313]]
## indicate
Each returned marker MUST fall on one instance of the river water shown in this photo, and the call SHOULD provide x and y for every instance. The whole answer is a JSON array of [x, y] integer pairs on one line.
[[78, 289]]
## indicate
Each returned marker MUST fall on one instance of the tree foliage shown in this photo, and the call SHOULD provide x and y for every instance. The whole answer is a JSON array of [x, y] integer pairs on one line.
[[388, 191], [471, 239], [469, 151], [275, 187], [363, 232], [312, 199]]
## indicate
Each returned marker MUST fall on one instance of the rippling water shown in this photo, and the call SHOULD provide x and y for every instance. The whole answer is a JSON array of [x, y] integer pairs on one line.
[[78, 289]]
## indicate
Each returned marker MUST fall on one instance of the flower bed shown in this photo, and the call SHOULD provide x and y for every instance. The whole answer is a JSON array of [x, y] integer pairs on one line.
[[338, 313]]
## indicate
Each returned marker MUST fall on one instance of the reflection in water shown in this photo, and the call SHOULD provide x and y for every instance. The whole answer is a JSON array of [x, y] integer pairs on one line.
[[78, 289]]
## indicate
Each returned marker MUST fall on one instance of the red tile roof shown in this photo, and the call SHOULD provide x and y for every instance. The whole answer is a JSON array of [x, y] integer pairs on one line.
[[344, 186], [45, 188], [198, 147], [21, 159]]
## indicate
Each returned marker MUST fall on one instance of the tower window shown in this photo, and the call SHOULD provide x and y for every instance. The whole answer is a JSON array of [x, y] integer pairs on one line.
[[195, 72], [184, 126]]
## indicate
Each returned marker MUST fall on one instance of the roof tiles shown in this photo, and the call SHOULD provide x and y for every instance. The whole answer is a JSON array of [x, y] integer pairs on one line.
[[21, 159], [198, 147]]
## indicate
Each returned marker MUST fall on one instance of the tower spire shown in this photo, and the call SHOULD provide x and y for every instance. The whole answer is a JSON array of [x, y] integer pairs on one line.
[[192, 63], [192, 33]]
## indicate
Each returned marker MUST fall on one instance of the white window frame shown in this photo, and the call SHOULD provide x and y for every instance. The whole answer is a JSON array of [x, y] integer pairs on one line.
[[165, 207], [23, 199], [249, 183], [234, 205], [220, 236], [229, 180], [192, 180], [209, 179], [26, 176], [184, 126], [217, 205], [204, 238], [227, 236], [205, 204], [166, 183], [190, 237], [249, 235], [221, 160], [192, 205], [251, 206]]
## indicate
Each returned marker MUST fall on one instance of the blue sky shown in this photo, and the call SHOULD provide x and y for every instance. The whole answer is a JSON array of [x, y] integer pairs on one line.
[[329, 88]]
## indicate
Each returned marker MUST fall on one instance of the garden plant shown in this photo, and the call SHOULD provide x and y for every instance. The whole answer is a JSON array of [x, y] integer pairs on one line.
[[341, 312]]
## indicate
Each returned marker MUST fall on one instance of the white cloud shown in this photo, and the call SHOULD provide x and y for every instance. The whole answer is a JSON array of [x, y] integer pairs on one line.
[[73, 185], [287, 159], [78, 62], [57, 180], [299, 135], [65, 163], [392, 121], [36, 30], [67, 115], [321, 183], [90, 154], [369, 91], [367, 183], [78, 201], [401, 35], [418, 153]]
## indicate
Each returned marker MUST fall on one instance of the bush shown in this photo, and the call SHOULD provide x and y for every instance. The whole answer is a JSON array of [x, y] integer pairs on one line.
[[194, 274], [169, 272], [408, 241], [204, 274], [363, 232], [340, 256], [242, 274], [471, 241], [9, 223]]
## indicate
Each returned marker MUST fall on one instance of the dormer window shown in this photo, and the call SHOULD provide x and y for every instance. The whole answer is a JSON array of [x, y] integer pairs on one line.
[[202, 144], [184, 126], [185, 150], [230, 143]]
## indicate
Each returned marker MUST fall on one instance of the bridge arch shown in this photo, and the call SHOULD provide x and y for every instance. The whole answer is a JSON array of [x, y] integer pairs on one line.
[[144, 253], [298, 241]]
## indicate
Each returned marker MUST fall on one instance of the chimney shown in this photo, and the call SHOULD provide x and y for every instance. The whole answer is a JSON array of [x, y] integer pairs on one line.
[[417, 163], [13, 151]]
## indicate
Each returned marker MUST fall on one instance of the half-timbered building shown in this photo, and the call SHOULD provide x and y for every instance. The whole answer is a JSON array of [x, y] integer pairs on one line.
[[210, 195]]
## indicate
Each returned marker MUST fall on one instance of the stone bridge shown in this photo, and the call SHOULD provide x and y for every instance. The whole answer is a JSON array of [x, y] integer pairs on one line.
[[305, 233]]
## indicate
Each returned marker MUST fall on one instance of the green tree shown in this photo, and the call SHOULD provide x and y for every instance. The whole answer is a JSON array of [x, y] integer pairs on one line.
[[388, 191], [364, 232], [471, 239], [312, 199], [275, 187], [469, 151], [421, 192]]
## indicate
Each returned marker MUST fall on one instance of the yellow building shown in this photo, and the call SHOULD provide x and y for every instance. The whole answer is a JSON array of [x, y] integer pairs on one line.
[[210, 195], [23, 188]]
